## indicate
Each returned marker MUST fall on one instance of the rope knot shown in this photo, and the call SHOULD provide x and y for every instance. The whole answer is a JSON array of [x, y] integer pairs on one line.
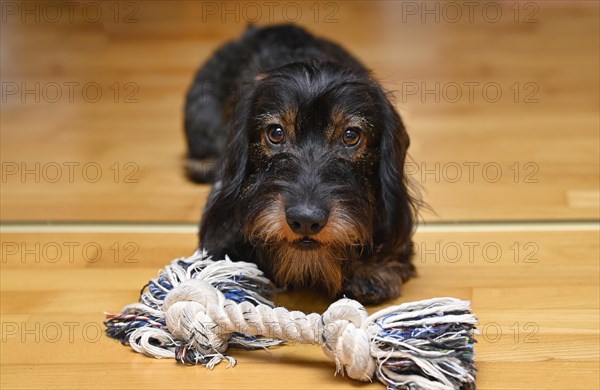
[[345, 339], [186, 314]]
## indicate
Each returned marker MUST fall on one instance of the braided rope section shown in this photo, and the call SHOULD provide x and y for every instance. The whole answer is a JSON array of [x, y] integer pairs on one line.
[[198, 308]]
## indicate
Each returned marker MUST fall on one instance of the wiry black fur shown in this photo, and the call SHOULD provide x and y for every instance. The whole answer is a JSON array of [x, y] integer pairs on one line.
[[270, 70]]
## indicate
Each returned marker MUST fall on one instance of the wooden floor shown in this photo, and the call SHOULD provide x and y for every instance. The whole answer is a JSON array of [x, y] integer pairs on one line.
[[503, 109]]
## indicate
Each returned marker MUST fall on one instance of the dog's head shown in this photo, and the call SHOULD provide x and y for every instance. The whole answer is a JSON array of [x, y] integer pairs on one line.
[[313, 176]]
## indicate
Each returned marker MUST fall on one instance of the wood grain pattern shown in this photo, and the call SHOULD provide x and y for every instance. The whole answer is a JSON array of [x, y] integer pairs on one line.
[[539, 320], [529, 153]]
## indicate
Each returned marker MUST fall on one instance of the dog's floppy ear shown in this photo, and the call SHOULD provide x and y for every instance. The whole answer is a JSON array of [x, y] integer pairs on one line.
[[219, 222], [397, 214]]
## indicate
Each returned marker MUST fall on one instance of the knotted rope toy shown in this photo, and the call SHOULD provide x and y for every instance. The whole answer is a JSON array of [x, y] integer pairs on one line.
[[197, 308]]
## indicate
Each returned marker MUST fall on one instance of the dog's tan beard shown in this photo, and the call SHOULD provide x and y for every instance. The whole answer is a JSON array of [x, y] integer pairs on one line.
[[321, 266]]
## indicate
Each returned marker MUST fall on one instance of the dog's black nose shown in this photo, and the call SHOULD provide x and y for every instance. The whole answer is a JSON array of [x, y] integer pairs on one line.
[[306, 220]]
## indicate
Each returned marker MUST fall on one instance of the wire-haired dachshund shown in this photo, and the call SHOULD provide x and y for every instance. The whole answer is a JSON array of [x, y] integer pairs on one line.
[[307, 156]]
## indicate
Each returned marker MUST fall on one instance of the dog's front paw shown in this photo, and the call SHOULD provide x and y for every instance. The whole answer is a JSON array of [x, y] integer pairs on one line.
[[370, 291], [371, 284]]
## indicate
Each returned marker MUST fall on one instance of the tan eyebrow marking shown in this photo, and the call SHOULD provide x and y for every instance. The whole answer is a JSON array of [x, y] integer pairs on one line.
[[287, 119], [340, 121]]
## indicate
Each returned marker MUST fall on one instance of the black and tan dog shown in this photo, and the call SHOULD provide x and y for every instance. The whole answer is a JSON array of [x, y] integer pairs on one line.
[[307, 155]]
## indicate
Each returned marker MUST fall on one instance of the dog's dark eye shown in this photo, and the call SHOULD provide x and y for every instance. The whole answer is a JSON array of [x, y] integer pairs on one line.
[[275, 134], [351, 136]]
